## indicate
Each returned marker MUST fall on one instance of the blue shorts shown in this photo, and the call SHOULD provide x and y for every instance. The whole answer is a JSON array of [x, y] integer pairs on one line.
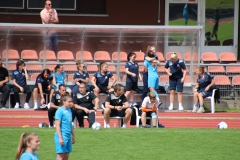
[[205, 93], [153, 82], [176, 83], [56, 88], [66, 147]]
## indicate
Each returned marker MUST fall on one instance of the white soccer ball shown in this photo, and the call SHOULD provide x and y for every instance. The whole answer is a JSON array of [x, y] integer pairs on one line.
[[222, 125], [96, 126]]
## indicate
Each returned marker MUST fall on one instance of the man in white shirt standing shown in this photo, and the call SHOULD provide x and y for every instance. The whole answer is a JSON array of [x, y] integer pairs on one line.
[[49, 16]]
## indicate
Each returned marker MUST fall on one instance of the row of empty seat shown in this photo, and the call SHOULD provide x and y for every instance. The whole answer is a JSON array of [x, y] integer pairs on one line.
[[227, 42], [225, 57]]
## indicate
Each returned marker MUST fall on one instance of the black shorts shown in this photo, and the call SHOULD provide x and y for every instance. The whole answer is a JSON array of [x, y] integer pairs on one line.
[[115, 112], [131, 86], [45, 90], [103, 89]]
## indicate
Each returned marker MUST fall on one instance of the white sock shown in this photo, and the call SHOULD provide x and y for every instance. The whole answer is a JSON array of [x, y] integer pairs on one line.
[[107, 125], [17, 103], [124, 125], [171, 104], [180, 104], [35, 102], [26, 103]]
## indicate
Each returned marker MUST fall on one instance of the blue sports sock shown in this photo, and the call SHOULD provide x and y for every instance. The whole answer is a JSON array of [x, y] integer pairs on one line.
[[155, 92]]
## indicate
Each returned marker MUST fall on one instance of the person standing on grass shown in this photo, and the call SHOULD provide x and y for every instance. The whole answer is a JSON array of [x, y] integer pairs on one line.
[[216, 21], [83, 105], [55, 103], [4, 88], [42, 85], [64, 136], [145, 71], [185, 14], [132, 71], [19, 78], [203, 88], [28, 144], [177, 74], [117, 105]]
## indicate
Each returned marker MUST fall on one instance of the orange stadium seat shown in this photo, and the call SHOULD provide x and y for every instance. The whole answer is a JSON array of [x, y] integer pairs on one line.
[[87, 56], [160, 56], [232, 69], [122, 56], [65, 55], [236, 80], [50, 55], [110, 79], [222, 80], [168, 55], [216, 70], [228, 57], [209, 57], [161, 70], [12, 54], [34, 67], [102, 56], [139, 56], [92, 68], [112, 68], [164, 79], [29, 55], [34, 76], [187, 57]]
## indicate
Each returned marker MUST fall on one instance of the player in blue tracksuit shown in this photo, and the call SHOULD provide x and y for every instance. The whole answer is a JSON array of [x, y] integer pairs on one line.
[[185, 14], [145, 71], [64, 136], [100, 80], [176, 70], [203, 88], [19, 78], [132, 71]]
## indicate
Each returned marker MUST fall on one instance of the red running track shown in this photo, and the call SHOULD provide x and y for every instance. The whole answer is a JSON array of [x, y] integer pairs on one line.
[[18, 118]]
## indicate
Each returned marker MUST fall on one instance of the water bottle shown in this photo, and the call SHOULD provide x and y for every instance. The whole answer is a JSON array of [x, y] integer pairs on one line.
[[154, 116], [166, 87]]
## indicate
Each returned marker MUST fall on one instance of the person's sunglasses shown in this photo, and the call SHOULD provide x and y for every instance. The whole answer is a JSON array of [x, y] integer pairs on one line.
[[49, 4]]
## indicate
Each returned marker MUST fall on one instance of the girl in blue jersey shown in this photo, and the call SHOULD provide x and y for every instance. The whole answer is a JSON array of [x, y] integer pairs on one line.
[[19, 79], [59, 77], [132, 71], [100, 80], [176, 70], [152, 68], [80, 76], [42, 85], [202, 89], [64, 136], [27, 146]]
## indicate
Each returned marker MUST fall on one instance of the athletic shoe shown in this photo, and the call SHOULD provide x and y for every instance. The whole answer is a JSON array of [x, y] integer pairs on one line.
[[161, 126], [180, 108], [195, 109], [48, 105], [2, 106], [108, 126], [35, 107], [43, 106], [124, 126], [170, 108], [26, 106], [16, 106], [201, 110]]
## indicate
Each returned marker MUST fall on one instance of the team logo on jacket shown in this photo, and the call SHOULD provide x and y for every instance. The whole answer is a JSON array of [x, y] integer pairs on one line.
[[106, 77]]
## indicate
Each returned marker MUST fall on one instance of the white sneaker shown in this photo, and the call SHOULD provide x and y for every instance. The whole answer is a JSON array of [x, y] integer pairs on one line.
[[16, 106], [194, 109], [180, 108], [201, 110], [124, 126], [170, 108], [43, 106], [48, 105], [108, 126], [26, 106], [35, 107]]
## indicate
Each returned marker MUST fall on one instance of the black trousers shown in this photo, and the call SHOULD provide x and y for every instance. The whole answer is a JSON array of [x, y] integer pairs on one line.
[[81, 113], [5, 90], [27, 91], [145, 85], [51, 115]]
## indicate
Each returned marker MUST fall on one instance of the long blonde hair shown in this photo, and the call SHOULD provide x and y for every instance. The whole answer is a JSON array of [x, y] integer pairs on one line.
[[22, 145], [79, 65]]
